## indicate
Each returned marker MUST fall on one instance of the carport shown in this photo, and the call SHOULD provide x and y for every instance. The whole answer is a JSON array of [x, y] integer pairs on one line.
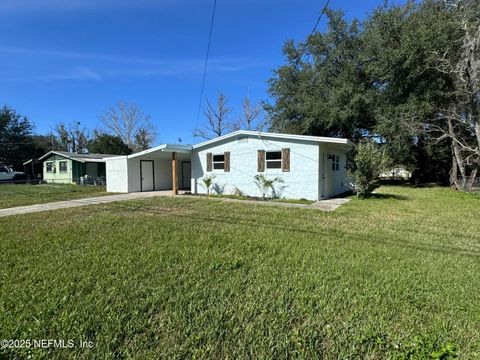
[[165, 167]]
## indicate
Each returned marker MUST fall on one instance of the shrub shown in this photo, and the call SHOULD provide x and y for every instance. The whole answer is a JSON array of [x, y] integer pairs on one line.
[[368, 164], [208, 182], [264, 184]]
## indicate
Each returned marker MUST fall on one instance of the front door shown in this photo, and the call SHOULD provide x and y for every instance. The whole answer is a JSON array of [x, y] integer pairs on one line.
[[147, 179], [186, 178]]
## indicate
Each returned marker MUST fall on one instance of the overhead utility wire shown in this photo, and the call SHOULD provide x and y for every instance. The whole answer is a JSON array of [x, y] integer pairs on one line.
[[313, 31], [206, 63]]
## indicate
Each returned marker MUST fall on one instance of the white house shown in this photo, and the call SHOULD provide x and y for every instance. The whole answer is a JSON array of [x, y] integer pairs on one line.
[[311, 167]]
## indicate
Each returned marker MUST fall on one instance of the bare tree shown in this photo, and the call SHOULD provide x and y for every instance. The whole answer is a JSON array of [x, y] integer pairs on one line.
[[73, 137], [218, 122], [131, 124], [459, 121], [143, 139], [250, 117]]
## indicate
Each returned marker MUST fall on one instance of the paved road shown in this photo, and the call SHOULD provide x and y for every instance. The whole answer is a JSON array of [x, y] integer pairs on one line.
[[325, 205]]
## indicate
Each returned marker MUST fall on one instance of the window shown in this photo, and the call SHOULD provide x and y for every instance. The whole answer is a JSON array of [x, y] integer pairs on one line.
[[63, 166], [335, 162], [274, 159], [49, 166], [219, 161]]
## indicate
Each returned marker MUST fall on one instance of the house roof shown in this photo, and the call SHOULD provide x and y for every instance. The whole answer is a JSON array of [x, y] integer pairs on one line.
[[78, 157], [233, 135], [265, 135]]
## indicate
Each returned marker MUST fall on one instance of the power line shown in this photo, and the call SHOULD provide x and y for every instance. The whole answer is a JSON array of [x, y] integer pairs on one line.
[[313, 31], [206, 63]]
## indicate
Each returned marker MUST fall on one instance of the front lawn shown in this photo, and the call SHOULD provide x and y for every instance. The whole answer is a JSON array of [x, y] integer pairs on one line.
[[394, 276], [12, 195]]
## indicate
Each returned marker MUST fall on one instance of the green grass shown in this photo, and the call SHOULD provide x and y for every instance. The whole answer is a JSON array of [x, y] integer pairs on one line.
[[12, 195], [394, 276]]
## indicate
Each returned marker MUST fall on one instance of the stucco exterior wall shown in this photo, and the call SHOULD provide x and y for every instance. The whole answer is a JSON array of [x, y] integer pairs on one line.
[[133, 174], [300, 182], [117, 177], [163, 174], [162, 169]]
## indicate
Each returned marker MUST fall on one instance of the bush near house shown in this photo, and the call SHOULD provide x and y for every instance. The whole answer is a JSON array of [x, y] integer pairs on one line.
[[267, 186], [207, 182], [369, 161]]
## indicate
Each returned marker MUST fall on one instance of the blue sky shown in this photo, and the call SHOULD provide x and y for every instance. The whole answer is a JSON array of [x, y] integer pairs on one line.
[[69, 60]]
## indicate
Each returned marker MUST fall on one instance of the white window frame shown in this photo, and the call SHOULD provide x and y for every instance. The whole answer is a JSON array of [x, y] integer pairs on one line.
[[218, 162], [51, 166], [273, 160], [335, 163], [60, 166]]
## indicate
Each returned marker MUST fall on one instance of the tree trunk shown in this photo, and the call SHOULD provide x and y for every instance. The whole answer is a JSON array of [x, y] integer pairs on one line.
[[470, 182], [459, 163], [454, 171]]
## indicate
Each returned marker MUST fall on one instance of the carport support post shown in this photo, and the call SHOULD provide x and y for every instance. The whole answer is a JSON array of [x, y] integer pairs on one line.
[[174, 174]]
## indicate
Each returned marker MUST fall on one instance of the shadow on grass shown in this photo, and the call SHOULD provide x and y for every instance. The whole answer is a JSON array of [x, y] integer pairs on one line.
[[387, 196], [410, 185], [343, 195], [371, 196]]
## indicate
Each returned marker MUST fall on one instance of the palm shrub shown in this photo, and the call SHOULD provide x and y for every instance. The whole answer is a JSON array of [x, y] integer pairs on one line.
[[208, 182], [369, 161], [264, 184]]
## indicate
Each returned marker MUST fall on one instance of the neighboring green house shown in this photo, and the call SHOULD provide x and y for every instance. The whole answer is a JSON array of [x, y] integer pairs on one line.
[[72, 168]]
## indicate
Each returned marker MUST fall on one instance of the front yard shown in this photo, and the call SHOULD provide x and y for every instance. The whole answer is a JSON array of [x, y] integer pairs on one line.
[[395, 276], [12, 195]]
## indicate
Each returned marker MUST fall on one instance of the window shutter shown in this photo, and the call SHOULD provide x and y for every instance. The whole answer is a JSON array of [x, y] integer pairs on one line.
[[261, 160], [226, 159], [209, 161], [285, 160]]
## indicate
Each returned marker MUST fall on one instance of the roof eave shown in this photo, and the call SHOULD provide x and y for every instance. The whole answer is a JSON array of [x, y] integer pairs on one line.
[[185, 149], [59, 154], [313, 139]]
